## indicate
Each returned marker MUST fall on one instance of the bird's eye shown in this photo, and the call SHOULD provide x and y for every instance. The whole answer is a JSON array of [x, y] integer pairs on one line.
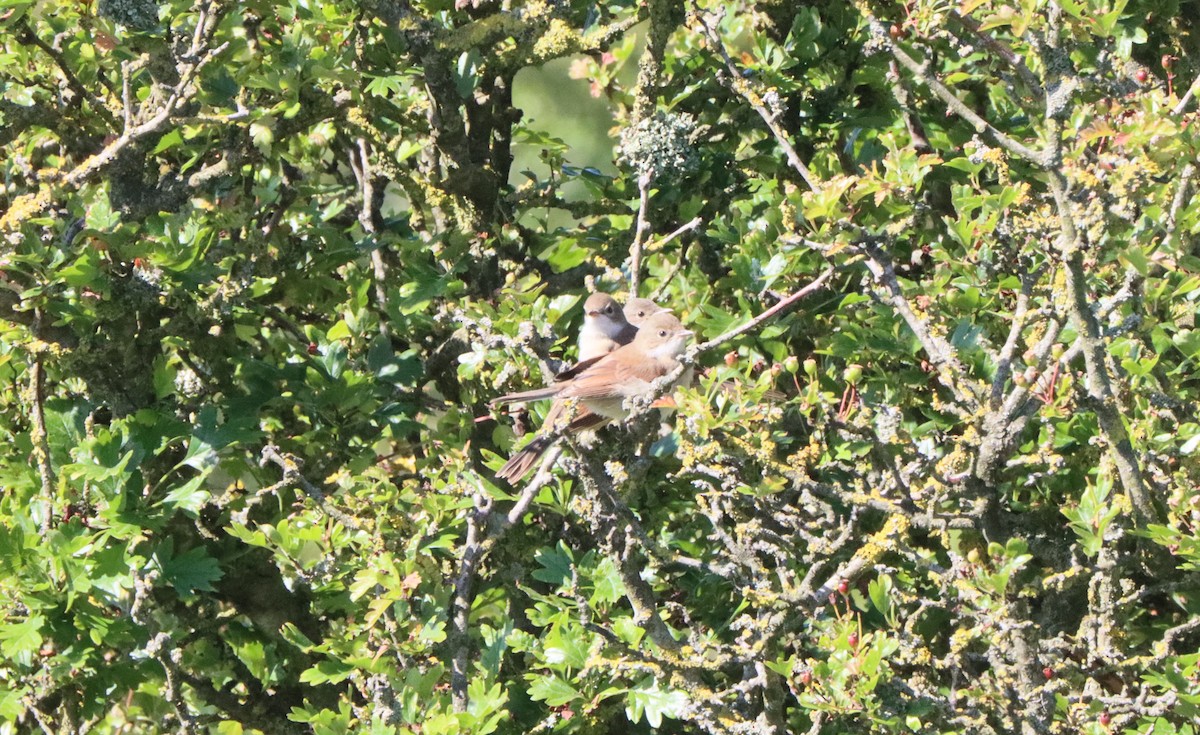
[[662, 333]]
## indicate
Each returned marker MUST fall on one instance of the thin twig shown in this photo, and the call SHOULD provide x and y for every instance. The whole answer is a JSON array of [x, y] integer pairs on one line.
[[1009, 56], [26, 35], [368, 217], [635, 249], [665, 281], [941, 354], [295, 479], [41, 440], [1004, 361], [740, 86], [922, 71], [1187, 97], [1181, 197], [665, 239], [778, 308], [483, 533]]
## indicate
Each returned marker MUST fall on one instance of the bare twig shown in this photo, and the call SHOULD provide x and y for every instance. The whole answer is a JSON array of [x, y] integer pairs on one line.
[[1020, 313], [368, 217], [635, 249], [665, 281], [922, 71], [1009, 56], [775, 310], [740, 86], [293, 478], [665, 239], [41, 441], [1187, 97], [26, 35], [941, 353], [484, 531], [1181, 197]]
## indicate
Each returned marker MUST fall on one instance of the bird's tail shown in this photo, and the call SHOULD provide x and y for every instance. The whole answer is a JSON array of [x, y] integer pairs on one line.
[[520, 463], [525, 396]]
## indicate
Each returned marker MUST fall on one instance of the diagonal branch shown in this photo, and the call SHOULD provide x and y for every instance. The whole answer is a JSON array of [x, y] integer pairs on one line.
[[485, 529], [737, 83], [26, 35], [923, 72]]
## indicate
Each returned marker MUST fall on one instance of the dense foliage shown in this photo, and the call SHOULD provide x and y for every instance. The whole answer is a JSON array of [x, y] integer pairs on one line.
[[264, 266]]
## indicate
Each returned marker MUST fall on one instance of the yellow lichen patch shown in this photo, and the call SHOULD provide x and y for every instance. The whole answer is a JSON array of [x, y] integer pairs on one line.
[[558, 40], [24, 207]]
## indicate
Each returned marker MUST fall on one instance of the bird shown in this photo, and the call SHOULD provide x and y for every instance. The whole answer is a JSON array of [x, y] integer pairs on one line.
[[605, 327], [639, 310], [602, 387]]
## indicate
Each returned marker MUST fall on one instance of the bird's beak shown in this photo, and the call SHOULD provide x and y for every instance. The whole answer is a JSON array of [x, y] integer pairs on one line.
[[686, 332], [591, 313]]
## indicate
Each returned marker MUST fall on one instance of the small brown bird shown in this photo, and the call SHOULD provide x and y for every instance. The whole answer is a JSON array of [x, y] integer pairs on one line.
[[603, 386], [605, 327], [639, 310]]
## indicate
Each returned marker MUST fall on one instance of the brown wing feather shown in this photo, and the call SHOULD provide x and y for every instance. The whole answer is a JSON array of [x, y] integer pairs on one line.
[[612, 378], [573, 370]]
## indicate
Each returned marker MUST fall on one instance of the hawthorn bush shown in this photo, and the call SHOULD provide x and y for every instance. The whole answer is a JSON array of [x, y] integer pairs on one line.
[[265, 264]]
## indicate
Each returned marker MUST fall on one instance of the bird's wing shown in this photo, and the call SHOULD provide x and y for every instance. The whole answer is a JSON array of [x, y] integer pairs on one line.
[[612, 378], [573, 370]]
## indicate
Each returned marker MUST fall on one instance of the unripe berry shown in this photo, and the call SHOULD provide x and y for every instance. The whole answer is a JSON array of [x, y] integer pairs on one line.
[[853, 373], [810, 368]]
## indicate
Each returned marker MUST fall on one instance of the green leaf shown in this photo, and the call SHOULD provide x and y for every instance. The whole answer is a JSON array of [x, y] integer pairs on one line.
[[192, 571], [327, 672], [22, 640]]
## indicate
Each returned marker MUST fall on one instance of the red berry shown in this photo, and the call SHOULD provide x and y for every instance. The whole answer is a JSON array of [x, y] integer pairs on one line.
[[1048, 673], [1105, 718], [1141, 76], [853, 640], [731, 358], [312, 348], [843, 587], [805, 677]]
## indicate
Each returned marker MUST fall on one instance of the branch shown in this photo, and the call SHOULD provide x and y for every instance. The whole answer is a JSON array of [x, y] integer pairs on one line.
[[41, 442], [474, 550], [1078, 302], [775, 310], [922, 71], [31, 205], [26, 35], [739, 85], [635, 249], [293, 478], [941, 353]]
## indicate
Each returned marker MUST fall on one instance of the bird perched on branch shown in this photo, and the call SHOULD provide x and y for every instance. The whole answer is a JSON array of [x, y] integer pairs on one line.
[[601, 387], [605, 327]]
